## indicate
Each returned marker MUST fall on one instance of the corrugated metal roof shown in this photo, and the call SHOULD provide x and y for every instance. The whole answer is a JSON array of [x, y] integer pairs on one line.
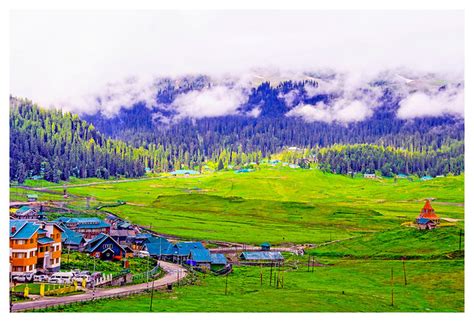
[[23, 229], [201, 255], [218, 259], [261, 255], [45, 240]]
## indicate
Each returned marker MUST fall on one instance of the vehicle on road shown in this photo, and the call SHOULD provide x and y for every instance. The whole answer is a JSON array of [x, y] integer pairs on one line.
[[40, 278], [61, 278], [143, 253], [80, 277], [24, 278]]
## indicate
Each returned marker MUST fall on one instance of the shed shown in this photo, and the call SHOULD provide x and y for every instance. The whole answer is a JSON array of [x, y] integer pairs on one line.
[[32, 197], [218, 261], [262, 256], [265, 246], [425, 223]]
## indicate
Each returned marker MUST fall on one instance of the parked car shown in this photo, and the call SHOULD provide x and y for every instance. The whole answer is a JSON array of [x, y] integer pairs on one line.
[[61, 278], [96, 276], [40, 278], [80, 277], [143, 253], [24, 278]]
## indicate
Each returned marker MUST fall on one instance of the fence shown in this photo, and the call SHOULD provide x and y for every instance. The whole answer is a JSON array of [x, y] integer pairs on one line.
[[103, 280], [62, 289], [148, 274]]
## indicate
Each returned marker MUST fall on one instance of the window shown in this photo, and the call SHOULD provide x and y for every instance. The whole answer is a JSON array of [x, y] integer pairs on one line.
[[19, 255], [20, 242]]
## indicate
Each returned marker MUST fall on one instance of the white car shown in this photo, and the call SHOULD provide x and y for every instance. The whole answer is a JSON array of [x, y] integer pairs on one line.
[[23, 278], [143, 253], [61, 278], [40, 278], [80, 277]]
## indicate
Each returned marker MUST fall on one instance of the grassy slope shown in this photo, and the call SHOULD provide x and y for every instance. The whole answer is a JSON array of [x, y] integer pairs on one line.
[[432, 286], [278, 205]]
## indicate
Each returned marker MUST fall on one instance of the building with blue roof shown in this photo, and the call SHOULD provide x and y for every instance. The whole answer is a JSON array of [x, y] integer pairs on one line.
[[87, 227], [105, 247], [262, 256], [218, 261], [71, 239], [180, 252], [34, 246], [184, 172], [200, 258]]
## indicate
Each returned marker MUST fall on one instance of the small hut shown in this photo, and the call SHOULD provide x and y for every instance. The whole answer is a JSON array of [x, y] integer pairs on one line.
[[265, 246]]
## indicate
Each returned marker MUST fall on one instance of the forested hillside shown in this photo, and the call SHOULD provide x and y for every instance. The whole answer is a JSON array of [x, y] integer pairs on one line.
[[58, 145]]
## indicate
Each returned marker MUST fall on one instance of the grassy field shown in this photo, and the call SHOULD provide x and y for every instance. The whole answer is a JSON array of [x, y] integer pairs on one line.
[[348, 286], [368, 220], [276, 205]]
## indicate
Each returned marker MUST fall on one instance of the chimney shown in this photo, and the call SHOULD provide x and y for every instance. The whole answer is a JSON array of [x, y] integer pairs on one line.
[[13, 229]]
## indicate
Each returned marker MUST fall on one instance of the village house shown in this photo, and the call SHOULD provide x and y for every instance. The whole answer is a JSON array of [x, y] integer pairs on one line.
[[28, 213], [106, 248], [218, 262], [200, 258], [32, 197], [370, 176], [72, 240], [181, 252], [157, 246], [34, 247], [87, 227]]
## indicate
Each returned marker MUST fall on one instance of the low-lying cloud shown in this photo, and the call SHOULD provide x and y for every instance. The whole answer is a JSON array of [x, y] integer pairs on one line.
[[209, 102], [441, 103]]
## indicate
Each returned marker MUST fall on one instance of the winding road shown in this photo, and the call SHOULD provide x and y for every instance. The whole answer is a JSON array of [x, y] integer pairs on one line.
[[174, 273]]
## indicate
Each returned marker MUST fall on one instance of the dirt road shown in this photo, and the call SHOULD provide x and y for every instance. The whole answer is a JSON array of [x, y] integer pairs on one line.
[[174, 273]]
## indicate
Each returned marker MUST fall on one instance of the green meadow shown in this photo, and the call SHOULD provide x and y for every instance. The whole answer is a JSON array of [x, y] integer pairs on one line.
[[345, 286], [276, 205], [362, 229]]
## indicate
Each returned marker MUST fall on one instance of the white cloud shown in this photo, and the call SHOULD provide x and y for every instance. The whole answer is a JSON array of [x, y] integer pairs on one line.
[[209, 102], [62, 56], [289, 97], [421, 104]]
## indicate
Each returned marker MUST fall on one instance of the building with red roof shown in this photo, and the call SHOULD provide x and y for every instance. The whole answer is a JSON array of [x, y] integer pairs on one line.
[[427, 212]]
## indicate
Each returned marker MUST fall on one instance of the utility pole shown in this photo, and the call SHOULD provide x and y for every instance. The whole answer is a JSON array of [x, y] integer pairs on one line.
[[460, 238], [405, 272], [309, 258], [312, 267], [151, 299], [391, 282], [226, 276], [271, 273], [261, 275]]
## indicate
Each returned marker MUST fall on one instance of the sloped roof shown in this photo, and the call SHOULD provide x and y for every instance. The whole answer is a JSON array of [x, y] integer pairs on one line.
[[201, 255], [218, 259], [23, 229], [94, 243], [183, 248], [45, 240], [91, 222], [262, 256], [158, 249], [428, 212], [423, 221], [70, 237]]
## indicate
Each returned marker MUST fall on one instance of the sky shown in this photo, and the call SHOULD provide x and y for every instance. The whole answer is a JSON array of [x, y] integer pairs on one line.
[[66, 57]]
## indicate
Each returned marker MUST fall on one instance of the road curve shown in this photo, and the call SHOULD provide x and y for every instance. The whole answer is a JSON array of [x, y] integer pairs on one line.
[[174, 273]]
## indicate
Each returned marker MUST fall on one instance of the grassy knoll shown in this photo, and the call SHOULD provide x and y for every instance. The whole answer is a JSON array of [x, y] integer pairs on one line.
[[395, 244], [276, 205], [348, 286]]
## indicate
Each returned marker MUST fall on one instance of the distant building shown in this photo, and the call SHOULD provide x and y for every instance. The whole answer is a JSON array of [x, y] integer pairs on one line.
[[32, 197], [181, 252], [265, 246], [28, 213], [184, 172], [427, 218], [200, 258], [218, 261], [87, 227], [262, 256], [425, 223], [426, 178], [370, 176]]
